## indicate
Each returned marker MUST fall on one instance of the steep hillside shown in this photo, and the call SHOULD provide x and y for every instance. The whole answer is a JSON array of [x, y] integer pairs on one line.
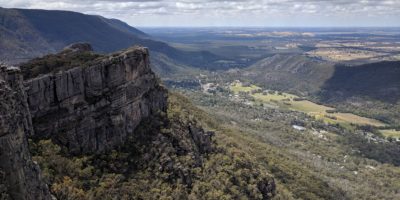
[[169, 157], [370, 90], [380, 81], [61, 28], [165, 66], [19, 39], [29, 33], [106, 129], [321, 162], [295, 73], [298, 73]]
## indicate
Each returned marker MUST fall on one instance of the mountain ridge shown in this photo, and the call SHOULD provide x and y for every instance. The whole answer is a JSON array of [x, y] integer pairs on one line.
[[109, 118], [53, 30]]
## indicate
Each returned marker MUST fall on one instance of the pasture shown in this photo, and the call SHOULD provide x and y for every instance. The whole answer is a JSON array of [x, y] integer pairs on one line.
[[391, 133], [288, 101]]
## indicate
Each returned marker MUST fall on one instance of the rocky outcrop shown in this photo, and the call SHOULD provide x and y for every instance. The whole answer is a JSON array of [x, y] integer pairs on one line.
[[201, 139], [113, 108], [19, 175], [79, 47], [267, 188], [96, 106]]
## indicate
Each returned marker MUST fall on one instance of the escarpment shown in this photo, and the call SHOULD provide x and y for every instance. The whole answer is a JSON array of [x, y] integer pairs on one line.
[[19, 175], [95, 106], [102, 127], [90, 108]]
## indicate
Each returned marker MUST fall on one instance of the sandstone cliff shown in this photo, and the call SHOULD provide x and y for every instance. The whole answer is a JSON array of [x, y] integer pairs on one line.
[[19, 175], [100, 118], [96, 106]]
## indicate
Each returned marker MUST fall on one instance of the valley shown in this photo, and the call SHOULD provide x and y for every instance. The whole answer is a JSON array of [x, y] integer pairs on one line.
[[351, 166], [293, 102], [326, 115], [292, 61], [93, 108]]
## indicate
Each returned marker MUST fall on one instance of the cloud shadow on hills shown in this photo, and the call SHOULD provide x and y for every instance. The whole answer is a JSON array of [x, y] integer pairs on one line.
[[379, 81]]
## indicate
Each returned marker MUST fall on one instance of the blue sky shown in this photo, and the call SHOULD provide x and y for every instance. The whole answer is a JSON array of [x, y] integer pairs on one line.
[[303, 13]]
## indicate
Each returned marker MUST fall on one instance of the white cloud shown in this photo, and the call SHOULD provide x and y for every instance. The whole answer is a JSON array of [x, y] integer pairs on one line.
[[233, 12]]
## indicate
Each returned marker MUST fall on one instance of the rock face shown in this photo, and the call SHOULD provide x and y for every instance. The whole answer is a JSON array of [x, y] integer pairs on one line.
[[91, 108], [267, 188], [202, 139], [95, 107], [19, 175]]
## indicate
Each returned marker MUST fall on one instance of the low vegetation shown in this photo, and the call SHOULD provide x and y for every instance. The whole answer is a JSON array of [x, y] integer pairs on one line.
[[56, 62], [345, 54], [239, 87], [159, 162], [350, 164], [293, 102]]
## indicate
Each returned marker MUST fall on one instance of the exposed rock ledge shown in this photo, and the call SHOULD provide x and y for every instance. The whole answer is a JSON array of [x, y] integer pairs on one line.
[[90, 108], [19, 175], [95, 107]]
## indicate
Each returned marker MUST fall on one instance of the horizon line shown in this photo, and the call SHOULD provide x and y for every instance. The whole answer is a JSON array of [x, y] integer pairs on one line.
[[212, 26]]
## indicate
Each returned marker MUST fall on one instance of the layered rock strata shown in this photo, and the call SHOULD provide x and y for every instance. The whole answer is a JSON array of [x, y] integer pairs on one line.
[[96, 106], [20, 176]]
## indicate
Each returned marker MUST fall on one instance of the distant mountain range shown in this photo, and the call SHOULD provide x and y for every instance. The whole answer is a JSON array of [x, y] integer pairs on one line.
[[26, 34], [291, 72], [31, 33], [380, 81], [304, 75]]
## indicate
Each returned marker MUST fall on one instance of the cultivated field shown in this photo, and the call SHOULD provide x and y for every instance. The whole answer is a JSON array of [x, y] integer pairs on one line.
[[293, 102], [344, 54], [274, 97], [391, 133], [349, 50], [238, 87]]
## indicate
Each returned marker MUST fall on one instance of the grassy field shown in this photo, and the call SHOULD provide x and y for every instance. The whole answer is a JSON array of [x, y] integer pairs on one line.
[[274, 97], [359, 120], [391, 133], [238, 87], [287, 101], [309, 107]]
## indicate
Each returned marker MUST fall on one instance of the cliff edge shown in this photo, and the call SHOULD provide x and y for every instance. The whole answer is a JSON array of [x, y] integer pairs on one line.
[[19, 175], [95, 106]]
